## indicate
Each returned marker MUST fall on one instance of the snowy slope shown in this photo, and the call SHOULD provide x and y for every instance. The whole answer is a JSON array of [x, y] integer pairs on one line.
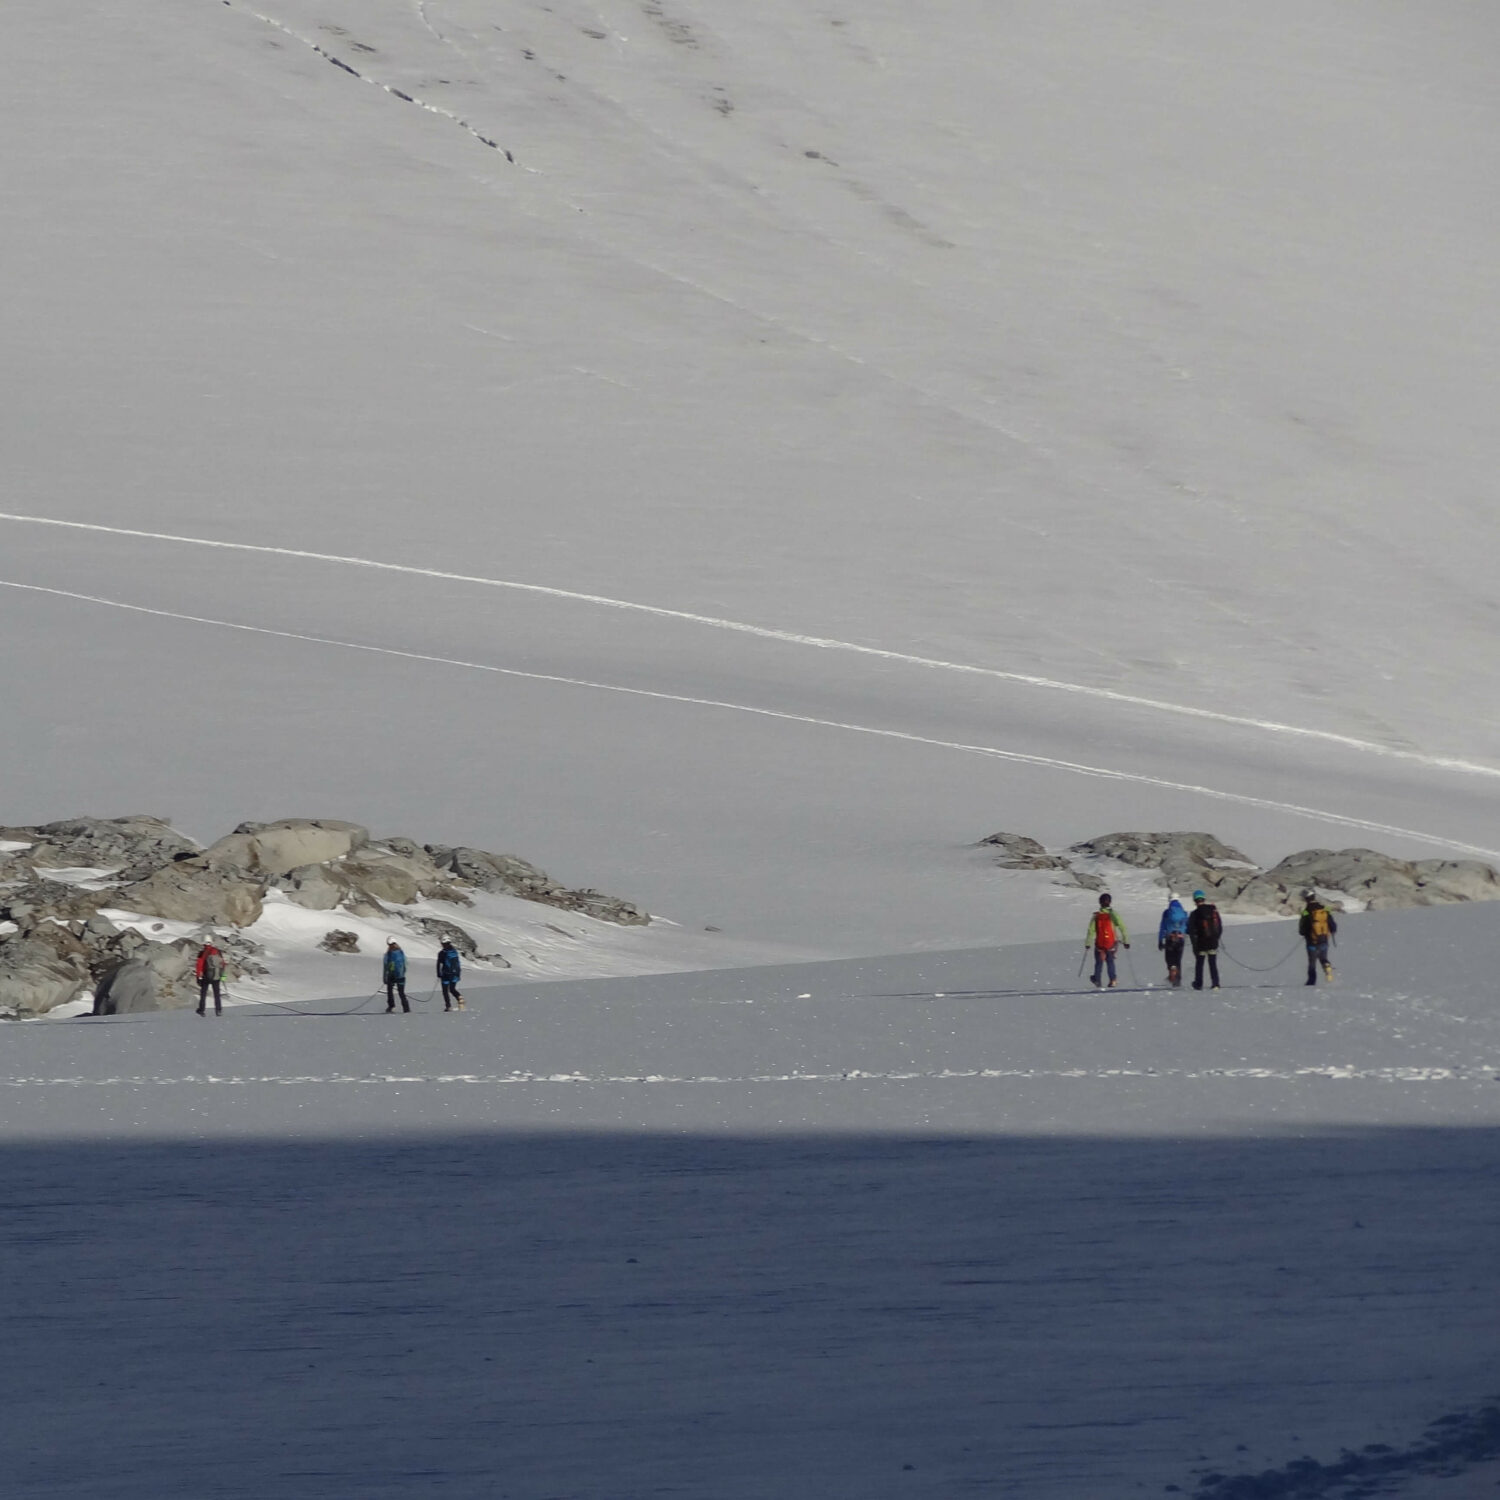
[[1146, 354], [907, 1226]]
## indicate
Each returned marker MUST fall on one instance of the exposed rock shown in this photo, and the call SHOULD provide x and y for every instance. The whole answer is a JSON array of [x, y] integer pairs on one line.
[[127, 988], [1188, 861], [445, 931], [190, 891], [316, 887], [1017, 852], [37, 901], [35, 979], [135, 845], [1458, 879], [506, 874], [273, 849], [338, 940], [1149, 850]]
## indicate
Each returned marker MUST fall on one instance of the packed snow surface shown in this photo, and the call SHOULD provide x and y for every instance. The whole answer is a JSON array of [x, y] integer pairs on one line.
[[922, 1225]]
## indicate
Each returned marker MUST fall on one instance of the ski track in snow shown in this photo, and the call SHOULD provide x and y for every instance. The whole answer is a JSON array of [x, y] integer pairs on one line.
[[391, 89], [1016, 757], [765, 632], [1332, 1071]]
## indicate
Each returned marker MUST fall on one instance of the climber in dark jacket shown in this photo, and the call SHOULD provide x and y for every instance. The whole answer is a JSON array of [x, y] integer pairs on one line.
[[1205, 928], [393, 975], [1317, 928], [450, 970]]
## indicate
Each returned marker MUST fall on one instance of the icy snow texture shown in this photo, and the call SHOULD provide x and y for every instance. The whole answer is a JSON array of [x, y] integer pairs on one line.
[[763, 1231]]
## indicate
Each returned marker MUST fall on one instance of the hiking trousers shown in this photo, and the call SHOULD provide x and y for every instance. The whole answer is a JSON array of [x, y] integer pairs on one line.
[[1171, 947], [1104, 957], [204, 986], [394, 987], [1317, 953], [450, 992], [1212, 957]]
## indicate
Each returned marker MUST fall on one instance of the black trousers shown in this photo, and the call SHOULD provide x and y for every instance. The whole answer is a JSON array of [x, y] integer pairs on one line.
[[1212, 955], [450, 991], [204, 986], [394, 987], [1171, 947]]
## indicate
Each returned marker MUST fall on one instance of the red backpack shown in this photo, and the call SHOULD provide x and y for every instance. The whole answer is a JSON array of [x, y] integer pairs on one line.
[[1104, 928]]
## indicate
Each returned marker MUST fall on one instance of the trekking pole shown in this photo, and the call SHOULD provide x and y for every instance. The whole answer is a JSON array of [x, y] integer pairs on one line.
[[1082, 961]]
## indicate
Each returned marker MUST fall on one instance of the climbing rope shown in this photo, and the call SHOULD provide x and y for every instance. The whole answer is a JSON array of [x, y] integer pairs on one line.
[[1260, 968]]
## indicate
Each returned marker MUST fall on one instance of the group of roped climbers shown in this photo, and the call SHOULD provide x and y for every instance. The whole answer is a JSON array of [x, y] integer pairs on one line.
[[1203, 928], [393, 976], [450, 968]]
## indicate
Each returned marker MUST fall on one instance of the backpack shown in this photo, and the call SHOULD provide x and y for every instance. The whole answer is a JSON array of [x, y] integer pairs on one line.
[[1104, 928], [1175, 921], [1210, 926], [213, 966], [1317, 923]]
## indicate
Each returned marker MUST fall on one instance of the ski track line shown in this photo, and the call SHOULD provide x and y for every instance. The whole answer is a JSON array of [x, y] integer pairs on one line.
[[338, 62], [770, 633], [1332, 1071], [1016, 757]]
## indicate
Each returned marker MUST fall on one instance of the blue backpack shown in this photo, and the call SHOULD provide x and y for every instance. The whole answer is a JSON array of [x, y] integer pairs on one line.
[[1174, 921]]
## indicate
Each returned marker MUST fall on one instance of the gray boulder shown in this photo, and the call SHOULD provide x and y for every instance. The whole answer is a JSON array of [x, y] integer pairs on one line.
[[317, 887], [36, 978], [127, 988], [274, 849], [338, 940], [1017, 852], [191, 891]]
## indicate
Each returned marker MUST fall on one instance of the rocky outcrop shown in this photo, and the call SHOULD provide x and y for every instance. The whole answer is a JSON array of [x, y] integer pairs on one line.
[[1188, 861], [130, 987], [194, 891], [132, 847], [272, 849], [508, 875], [1017, 852], [35, 978], [63, 945]]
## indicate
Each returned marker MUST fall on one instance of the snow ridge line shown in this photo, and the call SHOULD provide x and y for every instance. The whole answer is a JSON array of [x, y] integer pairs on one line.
[[1016, 757], [1335, 1071], [770, 633], [338, 62]]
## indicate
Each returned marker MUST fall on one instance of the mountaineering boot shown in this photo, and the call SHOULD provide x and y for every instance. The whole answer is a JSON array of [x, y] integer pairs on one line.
[[1328, 972], [460, 1002], [200, 1010], [1093, 981], [1113, 983]]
